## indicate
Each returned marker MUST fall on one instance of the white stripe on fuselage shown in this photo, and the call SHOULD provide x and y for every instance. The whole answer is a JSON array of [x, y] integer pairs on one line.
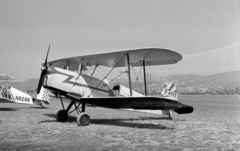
[[66, 80]]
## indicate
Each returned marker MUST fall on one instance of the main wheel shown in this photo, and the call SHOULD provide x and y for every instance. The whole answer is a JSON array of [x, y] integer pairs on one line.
[[83, 119], [62, 116]]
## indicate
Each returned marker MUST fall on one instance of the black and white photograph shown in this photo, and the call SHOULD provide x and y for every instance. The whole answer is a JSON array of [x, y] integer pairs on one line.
[[120, 75]]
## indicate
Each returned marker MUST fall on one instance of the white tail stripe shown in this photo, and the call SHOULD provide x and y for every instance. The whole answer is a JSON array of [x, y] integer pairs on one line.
[[170, 91], [171, 87]]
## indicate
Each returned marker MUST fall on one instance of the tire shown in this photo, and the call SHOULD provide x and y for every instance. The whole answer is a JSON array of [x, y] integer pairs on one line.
[[83, 119], [62, 116]]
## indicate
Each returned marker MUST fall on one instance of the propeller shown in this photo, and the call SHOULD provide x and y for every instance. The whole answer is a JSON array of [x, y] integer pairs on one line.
[[43, 74]]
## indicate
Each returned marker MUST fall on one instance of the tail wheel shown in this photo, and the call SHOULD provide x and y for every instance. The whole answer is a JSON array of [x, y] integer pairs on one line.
[[83, 119], [62, 116], [42, 105]]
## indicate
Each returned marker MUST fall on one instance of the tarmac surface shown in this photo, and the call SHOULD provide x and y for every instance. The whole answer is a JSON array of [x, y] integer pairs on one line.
[[214, 125]]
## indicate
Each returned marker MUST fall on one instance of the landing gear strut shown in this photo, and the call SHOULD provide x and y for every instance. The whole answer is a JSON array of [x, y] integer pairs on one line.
[[83, 119], [169, 116], [42, 105]]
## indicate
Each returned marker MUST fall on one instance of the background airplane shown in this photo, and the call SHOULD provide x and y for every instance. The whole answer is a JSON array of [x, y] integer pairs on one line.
[[9, 94], [69, 77]]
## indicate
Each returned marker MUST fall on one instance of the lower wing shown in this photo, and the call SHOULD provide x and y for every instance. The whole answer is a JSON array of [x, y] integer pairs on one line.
[[139, 103], [135, 103], [5, 100]]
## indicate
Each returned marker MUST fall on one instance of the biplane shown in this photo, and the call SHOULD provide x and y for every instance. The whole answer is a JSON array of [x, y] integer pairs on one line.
[[74, 78], [9, 94]]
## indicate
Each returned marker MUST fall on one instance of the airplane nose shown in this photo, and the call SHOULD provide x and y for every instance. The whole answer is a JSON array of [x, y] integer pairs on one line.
[[48, 76], [43, 73], [49, 71], [45, 77]]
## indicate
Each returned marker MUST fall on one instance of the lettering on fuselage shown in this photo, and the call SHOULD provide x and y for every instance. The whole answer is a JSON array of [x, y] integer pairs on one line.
[[22, 99], [170, 93]]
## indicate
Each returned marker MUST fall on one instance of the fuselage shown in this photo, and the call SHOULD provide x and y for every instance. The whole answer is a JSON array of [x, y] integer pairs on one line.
[[79, 86], [15, 96]]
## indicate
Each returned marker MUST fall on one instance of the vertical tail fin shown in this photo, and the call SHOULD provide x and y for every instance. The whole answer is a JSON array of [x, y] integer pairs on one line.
[[170, 91], [44, 95]]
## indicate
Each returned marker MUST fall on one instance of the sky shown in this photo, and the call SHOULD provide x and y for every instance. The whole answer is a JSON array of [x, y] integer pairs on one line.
[[206, 33]]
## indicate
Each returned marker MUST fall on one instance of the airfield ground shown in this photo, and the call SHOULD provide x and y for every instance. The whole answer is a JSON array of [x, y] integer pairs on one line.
[[214, 125]]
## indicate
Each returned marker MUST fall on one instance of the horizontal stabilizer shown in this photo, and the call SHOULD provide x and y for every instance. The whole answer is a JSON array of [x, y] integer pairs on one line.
[[184, 110]]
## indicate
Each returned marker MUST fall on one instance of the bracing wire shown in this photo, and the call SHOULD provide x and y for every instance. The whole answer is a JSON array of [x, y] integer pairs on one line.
[[115, 77], [102, 70], [123, 72], [137, 79], [90, 69], [92, 92], [150, 72]]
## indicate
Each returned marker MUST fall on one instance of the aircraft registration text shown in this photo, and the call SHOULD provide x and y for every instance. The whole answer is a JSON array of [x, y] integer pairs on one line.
[[170, 93], [22, 99]]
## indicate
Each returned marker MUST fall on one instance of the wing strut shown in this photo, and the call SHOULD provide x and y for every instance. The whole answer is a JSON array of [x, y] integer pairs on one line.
[[92, 92], [79, 69], [129, 75], [144, 74], [93, 73], [7, 88]]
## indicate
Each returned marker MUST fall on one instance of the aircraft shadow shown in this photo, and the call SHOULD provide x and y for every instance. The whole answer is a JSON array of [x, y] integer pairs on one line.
[[129, 123], [119, 122], [71, 119], [8, 109], [38, 107], [160, 118]]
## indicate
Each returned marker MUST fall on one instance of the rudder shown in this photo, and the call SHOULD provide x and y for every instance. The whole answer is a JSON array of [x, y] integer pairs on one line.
[[170, 91]]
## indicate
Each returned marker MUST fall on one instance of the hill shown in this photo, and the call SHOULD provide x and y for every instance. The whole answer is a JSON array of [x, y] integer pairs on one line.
[[24, 86], [223, 83]]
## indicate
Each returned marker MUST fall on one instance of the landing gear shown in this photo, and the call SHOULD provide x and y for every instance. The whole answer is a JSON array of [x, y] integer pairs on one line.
[[169, 116], [62, 116], [83, 119], [42, 105]]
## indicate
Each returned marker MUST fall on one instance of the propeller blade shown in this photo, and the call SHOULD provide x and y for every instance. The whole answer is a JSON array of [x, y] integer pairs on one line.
[[43, 74], [45, 63], [41, 80]]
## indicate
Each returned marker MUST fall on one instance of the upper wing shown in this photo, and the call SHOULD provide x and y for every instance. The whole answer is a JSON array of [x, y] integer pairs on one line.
[[6, 77], [152, 56]]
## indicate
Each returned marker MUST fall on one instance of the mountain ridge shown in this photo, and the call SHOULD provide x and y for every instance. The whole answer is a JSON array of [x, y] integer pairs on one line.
[[225, 80]]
